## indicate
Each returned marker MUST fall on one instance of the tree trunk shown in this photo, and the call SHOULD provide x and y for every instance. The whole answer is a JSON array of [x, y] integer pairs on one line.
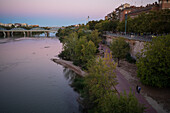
[[118, 62]]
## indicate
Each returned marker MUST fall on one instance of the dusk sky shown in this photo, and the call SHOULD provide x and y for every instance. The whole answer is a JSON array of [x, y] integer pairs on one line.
[[59, 12]]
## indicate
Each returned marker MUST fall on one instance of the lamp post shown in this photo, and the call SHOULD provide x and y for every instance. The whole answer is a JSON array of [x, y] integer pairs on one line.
[[125, 22]]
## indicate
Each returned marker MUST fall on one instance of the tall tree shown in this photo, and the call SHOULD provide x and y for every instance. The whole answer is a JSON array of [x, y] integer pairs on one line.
[[101, 78], [120, 48], [94, 37], [154, 62]]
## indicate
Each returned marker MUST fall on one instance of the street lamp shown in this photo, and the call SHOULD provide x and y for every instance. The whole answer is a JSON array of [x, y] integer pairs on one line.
[[125, 22]]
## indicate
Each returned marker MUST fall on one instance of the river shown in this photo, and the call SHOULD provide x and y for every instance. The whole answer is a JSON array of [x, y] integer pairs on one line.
[[30, 82]]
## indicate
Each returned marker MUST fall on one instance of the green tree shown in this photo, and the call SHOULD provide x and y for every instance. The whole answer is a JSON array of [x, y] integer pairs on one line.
[[92, 24], [84, 51], [69, 45], [101, 79], [101, 96], [94, 37], [81, 33], [120, 48], [123, 103], [154, 62]]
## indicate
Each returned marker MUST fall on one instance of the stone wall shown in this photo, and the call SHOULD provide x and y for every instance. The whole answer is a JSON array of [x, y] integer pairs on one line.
[[135, 45]]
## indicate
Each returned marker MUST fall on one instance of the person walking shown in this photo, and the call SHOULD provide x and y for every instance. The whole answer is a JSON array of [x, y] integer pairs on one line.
[[138, 89]]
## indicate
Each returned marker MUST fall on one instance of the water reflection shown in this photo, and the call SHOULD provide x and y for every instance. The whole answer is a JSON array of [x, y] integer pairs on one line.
[[69, 74], [30, 82]]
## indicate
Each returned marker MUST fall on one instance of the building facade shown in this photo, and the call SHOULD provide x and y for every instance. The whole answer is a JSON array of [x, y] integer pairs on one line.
[[133, 11], [150, 7], [119, 10], [164, 4]]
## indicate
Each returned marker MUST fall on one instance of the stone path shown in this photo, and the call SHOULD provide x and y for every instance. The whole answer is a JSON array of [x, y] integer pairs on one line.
[[124, 85]]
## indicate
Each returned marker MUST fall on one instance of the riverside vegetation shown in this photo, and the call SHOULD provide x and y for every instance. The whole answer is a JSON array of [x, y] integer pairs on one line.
[[80, 45], [98, 87], [155, 22], [154, 62]]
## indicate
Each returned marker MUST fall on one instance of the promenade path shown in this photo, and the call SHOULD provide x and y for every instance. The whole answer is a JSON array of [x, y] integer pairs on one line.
[[130, 37], [124, 85]]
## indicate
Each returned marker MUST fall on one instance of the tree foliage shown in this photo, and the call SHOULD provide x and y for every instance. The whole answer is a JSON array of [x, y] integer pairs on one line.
[[112, 103], [120, 48], [79, 50], [154, 62], [94, 37], [101, 97], [155, 22], [100, 79], [106, 25]]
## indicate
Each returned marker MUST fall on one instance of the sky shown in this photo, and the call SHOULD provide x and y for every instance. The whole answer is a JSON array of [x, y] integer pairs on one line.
[[59, 12]]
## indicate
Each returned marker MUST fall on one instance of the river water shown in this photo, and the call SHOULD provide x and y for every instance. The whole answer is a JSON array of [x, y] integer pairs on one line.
[[30, 82]]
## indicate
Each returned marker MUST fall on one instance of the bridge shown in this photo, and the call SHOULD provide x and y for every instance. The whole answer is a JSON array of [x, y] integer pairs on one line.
[[28, 33]]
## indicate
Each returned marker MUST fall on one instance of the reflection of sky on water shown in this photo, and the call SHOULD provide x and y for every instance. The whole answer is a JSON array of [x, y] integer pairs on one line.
[[30, 81]]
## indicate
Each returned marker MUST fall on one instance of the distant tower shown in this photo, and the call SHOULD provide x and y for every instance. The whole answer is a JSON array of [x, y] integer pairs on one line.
[[164, 4], [88, 19]]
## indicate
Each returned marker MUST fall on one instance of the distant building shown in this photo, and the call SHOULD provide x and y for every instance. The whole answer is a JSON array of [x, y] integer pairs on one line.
[[6, 25], [124, 12], [24, 24], [17, 25], [147, 9], [33, 25], [164, 4], [119, 9], [9, 25], [133, 11], [1, 24]]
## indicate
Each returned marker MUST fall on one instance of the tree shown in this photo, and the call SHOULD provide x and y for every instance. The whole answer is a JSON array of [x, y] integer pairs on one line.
[[101, 79], [92, 24], [94, 37], [81, 33], [84, 51], [123, 103], [156, 22], [101, 96], [154, 62], [119, 48], [69, 45]]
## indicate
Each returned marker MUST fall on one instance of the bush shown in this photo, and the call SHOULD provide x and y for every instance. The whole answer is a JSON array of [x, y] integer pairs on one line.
[[154, 62], [78, 84], [130, 59]]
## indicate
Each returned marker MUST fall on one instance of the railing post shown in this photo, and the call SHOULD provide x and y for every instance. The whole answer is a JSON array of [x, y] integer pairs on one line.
[[47, 34], [12, 34], [4, 34], [28, 34], [8, 34], [31, 33], [24, 34]]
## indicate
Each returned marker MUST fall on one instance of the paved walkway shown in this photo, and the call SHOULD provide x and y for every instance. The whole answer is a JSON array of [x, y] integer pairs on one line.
[[140, 38], [124, 85]]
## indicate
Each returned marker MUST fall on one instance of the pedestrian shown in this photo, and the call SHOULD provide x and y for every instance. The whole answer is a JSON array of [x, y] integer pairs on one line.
[[137, 88]]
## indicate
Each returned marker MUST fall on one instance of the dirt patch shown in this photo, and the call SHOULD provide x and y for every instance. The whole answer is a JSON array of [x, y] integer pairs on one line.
[[159, 98], [70, 65]]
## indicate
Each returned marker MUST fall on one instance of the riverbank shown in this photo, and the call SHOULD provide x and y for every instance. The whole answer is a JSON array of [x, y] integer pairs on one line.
[[70, 65]]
